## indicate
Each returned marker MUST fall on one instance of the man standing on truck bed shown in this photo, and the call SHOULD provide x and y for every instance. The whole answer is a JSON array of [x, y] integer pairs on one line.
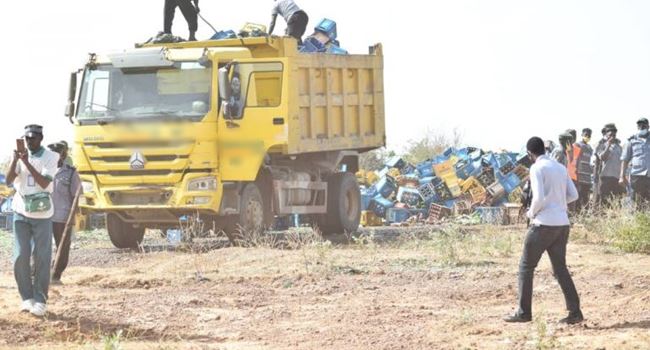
[[31, 172], [296, 18], [190, 12]]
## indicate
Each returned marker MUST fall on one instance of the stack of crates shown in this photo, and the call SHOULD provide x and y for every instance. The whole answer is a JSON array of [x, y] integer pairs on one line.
[[438, 212]]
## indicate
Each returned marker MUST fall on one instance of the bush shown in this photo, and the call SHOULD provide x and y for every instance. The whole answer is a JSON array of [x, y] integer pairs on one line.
[[634, 235]]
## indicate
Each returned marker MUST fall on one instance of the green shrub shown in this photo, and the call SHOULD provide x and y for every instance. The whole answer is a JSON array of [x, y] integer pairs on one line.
[[633, 236]]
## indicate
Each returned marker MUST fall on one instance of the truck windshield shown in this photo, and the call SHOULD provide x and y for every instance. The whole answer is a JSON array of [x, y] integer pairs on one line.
[[181, 91]]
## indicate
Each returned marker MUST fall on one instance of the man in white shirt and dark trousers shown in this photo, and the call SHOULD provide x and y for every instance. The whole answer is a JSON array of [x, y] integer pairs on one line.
[[296, 18], [31, 172], [552, 191]]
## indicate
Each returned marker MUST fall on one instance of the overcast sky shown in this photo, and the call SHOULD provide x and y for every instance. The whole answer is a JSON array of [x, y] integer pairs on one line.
[[498, 70]]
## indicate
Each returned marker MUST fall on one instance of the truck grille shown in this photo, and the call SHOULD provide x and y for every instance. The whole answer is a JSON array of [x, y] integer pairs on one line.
[[139, 198]]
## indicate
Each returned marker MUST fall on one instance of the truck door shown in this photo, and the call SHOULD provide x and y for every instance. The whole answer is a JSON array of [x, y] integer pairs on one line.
[[253, 117]]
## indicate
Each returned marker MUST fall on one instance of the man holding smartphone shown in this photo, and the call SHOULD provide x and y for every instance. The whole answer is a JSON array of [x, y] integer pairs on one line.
[[608, 156], [31, 172]]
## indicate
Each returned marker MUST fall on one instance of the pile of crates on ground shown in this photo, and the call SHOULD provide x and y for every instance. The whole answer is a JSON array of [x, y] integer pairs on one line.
[[459, 182]]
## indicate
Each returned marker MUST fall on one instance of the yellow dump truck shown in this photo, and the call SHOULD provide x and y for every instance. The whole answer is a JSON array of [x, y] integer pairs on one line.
[[239, 131]]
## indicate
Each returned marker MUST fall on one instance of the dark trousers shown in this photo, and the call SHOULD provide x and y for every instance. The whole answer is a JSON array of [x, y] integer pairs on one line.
[[609, 189], [64, 246], [188, 10], [641, 188], [584, 190], [551, 239], [297, 25]]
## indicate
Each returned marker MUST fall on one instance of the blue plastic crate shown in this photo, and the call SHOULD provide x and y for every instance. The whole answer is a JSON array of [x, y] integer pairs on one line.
[[367, 194], [380, 205], [425, 169], [397, 215], [428, 192], [510, 182], [449, 152], [311, 45], [386, 186], [466, 169], [409, 196], [224, 34], [449, 203], [327, 27], [335, 50], [426, 180], [408, 169], [396, 162], [491, 215]]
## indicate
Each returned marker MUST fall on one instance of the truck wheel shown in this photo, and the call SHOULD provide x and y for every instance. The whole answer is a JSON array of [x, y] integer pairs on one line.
[[343, 205], [122, 234], [253, 215]]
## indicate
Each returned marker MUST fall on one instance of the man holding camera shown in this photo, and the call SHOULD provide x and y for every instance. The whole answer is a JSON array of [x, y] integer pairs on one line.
[[552, 191], [608, 158], [31, 172]]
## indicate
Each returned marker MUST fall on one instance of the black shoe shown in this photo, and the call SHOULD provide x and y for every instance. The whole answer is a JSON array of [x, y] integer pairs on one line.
[[573, 318], [516, 318]]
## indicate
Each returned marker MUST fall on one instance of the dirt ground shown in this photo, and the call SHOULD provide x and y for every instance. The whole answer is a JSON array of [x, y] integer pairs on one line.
[[402, 292]]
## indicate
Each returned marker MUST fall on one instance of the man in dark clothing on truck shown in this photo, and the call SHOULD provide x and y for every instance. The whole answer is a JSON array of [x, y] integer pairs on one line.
[[190, 12], [296, 18]]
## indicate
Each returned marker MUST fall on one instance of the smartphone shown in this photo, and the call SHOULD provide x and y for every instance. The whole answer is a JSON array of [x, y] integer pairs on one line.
[[20, 145]]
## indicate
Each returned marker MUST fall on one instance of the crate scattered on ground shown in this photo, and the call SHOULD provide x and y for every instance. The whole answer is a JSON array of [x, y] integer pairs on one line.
[[460, 183]]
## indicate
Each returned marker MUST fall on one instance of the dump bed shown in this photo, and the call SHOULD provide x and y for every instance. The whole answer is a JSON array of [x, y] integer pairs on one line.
[[337, 102]]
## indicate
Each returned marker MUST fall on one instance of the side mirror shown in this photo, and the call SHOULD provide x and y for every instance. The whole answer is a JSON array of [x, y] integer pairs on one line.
[[224, 83], [72, 93]]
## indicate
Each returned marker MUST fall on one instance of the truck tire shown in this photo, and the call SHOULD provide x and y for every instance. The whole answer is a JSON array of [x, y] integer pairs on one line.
[[253, 213], [122, 234], [343, 205]]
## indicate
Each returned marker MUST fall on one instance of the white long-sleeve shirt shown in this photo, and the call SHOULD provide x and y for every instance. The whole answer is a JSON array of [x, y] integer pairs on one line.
[[552, 190]]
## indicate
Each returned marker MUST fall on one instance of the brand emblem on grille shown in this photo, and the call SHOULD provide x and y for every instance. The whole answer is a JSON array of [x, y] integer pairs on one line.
[[137, 160]]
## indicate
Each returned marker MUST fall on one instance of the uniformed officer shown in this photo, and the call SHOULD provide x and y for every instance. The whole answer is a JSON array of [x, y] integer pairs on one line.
[[190, 12], [637, 154]]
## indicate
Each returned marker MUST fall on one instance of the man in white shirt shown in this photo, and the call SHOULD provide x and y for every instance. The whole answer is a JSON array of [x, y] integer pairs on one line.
[[31, 172], [552, 191], [296, 18]]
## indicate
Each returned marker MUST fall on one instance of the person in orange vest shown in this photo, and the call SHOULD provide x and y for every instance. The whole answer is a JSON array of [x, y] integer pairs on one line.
[[579, 167]]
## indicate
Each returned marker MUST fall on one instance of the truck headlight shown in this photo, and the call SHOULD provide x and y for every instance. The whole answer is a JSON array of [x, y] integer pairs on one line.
[[202, 184], [88, 187]]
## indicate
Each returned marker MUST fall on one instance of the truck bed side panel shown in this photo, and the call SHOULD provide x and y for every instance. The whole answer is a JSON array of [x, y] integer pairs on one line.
[[337, 103]]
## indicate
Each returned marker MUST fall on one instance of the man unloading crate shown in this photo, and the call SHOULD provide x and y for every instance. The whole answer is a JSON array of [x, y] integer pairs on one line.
[[190, 12], [296, 18]]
